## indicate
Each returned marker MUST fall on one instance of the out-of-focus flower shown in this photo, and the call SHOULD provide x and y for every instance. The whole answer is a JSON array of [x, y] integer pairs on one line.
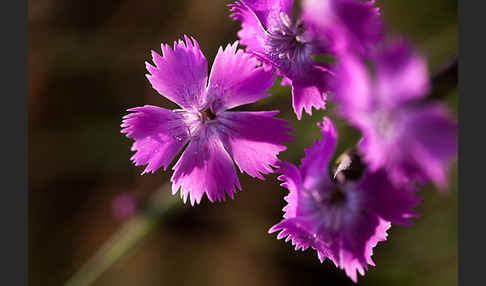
[[344, 26], [340, 220], [413, 141], [216, 136], [124, 205]]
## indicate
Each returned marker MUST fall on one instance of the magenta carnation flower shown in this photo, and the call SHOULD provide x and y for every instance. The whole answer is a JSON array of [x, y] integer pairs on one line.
[[216, 137], [341, 221], [413, 141], [269, 34], [344, 25]]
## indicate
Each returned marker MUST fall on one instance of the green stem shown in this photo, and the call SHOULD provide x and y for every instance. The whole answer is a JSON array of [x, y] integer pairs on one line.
[[131, 233]]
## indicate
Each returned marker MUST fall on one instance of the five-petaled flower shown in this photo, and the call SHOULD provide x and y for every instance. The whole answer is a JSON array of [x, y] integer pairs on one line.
[[413, 140], [216, 137], [340, 220], [269, 33]]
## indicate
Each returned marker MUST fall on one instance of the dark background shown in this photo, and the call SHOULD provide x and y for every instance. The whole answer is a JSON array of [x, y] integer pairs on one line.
[[86, 67]]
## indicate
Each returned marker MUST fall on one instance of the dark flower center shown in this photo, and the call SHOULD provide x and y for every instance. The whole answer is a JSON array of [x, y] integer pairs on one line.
[[338, 197], [333, 198], [289, 42], [335, 207], [207, 115]]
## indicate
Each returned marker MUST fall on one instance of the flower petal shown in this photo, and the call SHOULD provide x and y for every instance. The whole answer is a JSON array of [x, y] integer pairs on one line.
[[205, 168], [344, 26], [356, 246], [269, 11], [236, 80], [315, 163], [352, 85], [402, 74], [292, 181], [180, 74], [159, 135], [363, 24], [350, 250], [252, 33], [433, 139], [292, 229], [387, 200], [310, 90], [254, 139], [424, 145]]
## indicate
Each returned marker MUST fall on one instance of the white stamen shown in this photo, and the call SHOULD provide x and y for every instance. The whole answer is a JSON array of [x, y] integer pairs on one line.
[[285, 19]]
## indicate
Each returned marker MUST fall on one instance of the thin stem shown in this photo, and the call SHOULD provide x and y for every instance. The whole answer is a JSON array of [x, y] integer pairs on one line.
[[444, 79], [131, 233], [447, 68]]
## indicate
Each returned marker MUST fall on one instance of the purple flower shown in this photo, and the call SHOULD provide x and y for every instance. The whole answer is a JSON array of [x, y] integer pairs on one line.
[[216, 137], [326, 26], [341, 221], [412, 140], [344, 25], [270, 35]]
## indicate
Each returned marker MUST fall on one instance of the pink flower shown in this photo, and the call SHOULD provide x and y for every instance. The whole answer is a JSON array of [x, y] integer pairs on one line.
[[342, 221], [414, 141], [216, 138]]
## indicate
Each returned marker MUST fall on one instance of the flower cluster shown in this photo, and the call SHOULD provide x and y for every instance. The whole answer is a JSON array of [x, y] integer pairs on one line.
[[379, 87]]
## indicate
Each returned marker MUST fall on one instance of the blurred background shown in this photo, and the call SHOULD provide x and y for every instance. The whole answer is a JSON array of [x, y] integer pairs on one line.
[[86, 67]]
